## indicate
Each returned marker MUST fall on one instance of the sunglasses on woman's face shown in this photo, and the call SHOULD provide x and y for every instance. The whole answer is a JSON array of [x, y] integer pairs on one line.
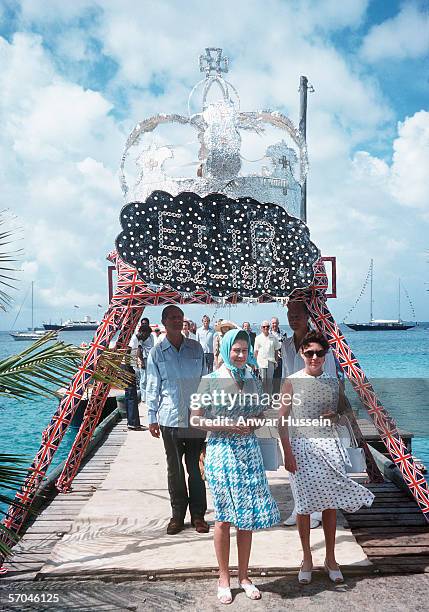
[[311, 354]]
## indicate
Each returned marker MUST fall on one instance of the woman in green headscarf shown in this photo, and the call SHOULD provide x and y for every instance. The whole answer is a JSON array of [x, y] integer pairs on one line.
[[228, 400]]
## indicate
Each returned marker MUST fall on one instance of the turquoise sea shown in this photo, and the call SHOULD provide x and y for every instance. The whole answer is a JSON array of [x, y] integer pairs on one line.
[[397, 362]]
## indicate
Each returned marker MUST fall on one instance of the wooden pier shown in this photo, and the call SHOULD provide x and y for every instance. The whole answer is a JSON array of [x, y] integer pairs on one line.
[[393, 532], [59, 510]]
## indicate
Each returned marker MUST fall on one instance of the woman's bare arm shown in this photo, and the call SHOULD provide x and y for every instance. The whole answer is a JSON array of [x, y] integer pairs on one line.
[[284, 411]]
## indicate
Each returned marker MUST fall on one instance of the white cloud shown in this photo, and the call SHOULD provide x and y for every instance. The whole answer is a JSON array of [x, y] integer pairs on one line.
[[404, 36], [410, 177], [60, 145]]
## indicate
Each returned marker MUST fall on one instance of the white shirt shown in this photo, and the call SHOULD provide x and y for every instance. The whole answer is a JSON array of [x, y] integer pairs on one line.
[[146, 345], [205, 337], [292, 361], [133, 343], [266, 347], [190, 335], [160, 338]]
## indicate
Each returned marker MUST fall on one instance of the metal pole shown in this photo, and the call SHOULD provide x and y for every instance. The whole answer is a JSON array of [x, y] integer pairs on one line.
[[303, 88], [32, 305]]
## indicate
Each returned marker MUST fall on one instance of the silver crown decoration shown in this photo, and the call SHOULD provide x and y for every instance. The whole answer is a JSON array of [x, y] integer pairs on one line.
[[219, 164]]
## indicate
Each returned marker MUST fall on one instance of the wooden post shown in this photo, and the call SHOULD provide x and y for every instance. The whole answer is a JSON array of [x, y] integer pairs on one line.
[[303, 88]]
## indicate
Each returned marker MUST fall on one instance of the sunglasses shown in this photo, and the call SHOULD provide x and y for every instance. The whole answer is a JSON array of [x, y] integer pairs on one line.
[[265, 326], [311, 354]]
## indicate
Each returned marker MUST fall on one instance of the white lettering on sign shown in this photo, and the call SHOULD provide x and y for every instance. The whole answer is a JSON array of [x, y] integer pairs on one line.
[[262, 235], [199, 243], [235, 243], [167, 230]]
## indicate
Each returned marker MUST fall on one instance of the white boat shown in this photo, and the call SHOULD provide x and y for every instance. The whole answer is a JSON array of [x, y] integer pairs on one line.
[[32, 333], [381, 324]]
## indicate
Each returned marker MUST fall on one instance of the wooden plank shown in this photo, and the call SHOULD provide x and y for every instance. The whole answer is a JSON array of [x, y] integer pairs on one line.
[[408, 561], [393, 510], [398, 551], [391, 529], [405, 540], [385, 520], [51, 526]]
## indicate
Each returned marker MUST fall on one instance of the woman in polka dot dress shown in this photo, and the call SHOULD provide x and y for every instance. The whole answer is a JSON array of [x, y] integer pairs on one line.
[[314, 455]]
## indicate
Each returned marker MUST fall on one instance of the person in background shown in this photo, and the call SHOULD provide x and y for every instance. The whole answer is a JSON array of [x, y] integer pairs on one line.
[[277, 333], [267, 349], [247, 327], [159, 335], [174, 369], [221, 327], [186, 331], [314, 457], [205, 336], [131, 399], [193, 327], [146, 342], [292, 362], [135, 359]]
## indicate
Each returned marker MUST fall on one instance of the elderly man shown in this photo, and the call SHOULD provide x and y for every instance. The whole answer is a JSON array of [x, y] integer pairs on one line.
[[205, 336], [174, 369], [277, 333], [247, 327], [292, 362], [266, 350]]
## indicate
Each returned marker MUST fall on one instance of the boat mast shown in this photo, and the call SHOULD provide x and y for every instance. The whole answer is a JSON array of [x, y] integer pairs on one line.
[[370, 300], [32, 305], [399, 299]]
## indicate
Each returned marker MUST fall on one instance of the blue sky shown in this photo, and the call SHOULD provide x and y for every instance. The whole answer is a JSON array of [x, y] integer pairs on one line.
[[76, 77]]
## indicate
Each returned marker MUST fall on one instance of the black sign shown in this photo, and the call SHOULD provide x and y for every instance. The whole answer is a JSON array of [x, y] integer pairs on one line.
[[216, 244]]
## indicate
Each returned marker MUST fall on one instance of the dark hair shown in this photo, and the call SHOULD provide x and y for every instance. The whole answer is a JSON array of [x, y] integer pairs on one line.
[[317, 337], [301, 303], [243, 335], [166, 312]]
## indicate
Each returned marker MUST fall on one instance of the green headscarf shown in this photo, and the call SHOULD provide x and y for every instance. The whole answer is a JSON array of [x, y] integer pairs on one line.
[[225, 350]]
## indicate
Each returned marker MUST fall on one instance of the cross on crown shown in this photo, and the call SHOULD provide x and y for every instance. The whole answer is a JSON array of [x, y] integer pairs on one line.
[[212, 63]]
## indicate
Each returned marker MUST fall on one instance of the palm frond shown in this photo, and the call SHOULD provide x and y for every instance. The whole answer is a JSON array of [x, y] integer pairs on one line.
[[45, 365], [7, 257]]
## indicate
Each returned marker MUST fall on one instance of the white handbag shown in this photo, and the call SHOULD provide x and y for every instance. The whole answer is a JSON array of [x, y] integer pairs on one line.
[[356, 455], [271, 454]]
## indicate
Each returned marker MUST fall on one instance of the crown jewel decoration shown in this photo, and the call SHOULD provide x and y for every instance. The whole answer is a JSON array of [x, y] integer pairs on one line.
[[220, 164]]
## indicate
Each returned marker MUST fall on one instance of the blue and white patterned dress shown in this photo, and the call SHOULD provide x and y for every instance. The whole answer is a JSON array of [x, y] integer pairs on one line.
[[233, 466]]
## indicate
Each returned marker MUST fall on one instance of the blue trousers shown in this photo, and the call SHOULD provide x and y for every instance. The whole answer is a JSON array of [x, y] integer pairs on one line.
[[132, 406]]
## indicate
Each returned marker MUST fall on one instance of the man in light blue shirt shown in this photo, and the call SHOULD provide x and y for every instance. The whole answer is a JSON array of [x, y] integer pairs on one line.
[[174, 370], [205, 336]]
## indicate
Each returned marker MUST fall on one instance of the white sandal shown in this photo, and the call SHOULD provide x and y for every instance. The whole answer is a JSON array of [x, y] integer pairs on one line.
[[224, 592], [304, 577], [334, 575], [251, 590]]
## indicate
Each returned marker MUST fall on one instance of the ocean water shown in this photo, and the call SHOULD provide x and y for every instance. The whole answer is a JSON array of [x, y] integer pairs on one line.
[[397, 362]]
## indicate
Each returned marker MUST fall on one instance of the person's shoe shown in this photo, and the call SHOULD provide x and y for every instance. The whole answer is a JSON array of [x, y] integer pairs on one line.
[[224, 594], [291, 520], [200, 524], [335, 575], [304, 576], [314, 523], [251, 590], [174, 526]]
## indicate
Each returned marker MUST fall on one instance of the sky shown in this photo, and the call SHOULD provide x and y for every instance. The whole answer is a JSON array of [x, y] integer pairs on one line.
[[76, 77]]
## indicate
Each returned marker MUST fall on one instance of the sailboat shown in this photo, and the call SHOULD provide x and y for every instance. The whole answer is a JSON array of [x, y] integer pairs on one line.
[[381, 324], [32, 334]]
